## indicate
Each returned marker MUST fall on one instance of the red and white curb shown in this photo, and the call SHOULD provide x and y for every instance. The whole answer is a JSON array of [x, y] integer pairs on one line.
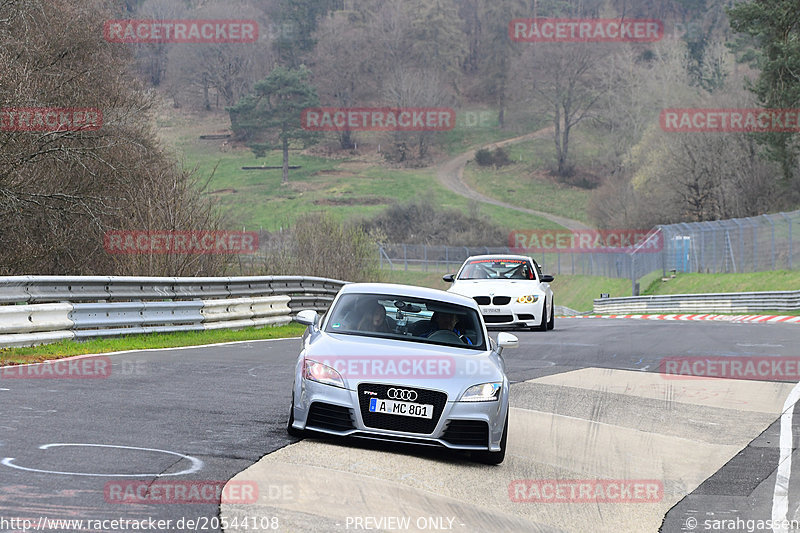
[[761, 319]]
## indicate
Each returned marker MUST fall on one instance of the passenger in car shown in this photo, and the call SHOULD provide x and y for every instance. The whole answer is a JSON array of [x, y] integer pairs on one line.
[[374, 318]]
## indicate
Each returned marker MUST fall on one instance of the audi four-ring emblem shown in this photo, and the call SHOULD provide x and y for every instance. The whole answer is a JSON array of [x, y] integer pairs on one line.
[[402, 394]]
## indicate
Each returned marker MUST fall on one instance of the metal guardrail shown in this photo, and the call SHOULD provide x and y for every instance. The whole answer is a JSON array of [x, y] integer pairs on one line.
[[43, 309], [743, 302]]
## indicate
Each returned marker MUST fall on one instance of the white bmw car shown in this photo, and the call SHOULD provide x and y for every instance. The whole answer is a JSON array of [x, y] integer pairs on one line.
[[510, 290], [403, 364]]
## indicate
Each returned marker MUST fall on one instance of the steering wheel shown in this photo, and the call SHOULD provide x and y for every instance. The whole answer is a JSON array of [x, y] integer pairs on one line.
[[445, 335]]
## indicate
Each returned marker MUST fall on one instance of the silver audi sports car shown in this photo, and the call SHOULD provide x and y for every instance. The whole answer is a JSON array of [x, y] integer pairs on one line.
[[403, 364]]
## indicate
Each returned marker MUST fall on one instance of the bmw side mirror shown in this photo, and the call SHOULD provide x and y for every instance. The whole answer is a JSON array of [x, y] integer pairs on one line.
[[449, 278], [547, 278], [307, 317]]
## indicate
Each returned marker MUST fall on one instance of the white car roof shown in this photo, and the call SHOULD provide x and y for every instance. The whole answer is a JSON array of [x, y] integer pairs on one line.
[[498, 256], [409, 290]]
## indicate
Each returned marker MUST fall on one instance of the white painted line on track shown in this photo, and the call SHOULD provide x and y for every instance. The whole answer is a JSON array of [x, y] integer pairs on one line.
[[197, 464], [780, 498]]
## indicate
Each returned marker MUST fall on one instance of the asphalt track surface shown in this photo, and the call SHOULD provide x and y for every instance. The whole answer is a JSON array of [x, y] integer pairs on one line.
[[209, 413]]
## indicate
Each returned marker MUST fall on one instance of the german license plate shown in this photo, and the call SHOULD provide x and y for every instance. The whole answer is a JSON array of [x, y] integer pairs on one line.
[[491, 310], [391, 407]]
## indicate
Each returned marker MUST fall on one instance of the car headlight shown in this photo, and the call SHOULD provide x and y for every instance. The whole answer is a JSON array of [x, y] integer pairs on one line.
[[529, 299], [320, 373], [485, 392]]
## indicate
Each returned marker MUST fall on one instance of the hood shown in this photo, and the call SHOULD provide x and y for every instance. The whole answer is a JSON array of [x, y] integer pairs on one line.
[[375, 360], [484, 287]]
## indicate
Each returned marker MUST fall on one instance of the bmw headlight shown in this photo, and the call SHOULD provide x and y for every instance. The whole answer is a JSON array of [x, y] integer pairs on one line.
[[529, 299], [486, 392], [320, 373]]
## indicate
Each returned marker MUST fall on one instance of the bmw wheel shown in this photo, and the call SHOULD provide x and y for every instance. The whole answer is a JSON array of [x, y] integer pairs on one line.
[[552, 322], [543, 322]]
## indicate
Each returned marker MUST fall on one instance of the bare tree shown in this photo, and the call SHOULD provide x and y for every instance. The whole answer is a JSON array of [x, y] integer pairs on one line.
[[152, 57], [567, 84], [213, 75], [62, 189]]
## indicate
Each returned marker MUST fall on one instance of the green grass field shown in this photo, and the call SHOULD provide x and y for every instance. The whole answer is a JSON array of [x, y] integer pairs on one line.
[[578, 292], [779, 280], [347, 188], [525, 183], [575, 292], [143, 342]]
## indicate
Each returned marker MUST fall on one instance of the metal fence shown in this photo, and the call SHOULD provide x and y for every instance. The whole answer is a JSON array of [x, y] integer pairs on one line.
[[755, 244], [743, 302], [42, 309]]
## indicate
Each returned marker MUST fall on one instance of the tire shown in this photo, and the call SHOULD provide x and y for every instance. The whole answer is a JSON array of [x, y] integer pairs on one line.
[[543, 322], [552, 322], [494, 458], [290, 429]]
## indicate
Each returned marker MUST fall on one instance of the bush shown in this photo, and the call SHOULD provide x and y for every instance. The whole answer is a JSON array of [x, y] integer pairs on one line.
[[422, 222], [484, 157], [497, 158], [318, 245]]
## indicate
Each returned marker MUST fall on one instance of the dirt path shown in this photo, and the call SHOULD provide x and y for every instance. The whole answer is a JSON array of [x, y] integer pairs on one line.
[[451, 175]]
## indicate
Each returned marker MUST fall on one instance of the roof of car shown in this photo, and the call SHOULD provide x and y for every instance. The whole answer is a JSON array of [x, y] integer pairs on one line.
[[409, 290], [499, 256]]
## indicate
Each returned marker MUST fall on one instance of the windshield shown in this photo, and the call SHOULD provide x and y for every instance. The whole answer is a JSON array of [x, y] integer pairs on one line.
[[405, 318], [497, 269]]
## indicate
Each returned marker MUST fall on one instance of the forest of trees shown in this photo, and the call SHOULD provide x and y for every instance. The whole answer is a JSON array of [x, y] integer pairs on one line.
[[424, 53], [458, 53]]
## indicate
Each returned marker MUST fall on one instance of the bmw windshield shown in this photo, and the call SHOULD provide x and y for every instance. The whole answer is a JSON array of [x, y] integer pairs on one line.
[[497, 269]]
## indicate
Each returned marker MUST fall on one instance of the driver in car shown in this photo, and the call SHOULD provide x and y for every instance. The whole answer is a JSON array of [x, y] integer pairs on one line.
[[444, 321]]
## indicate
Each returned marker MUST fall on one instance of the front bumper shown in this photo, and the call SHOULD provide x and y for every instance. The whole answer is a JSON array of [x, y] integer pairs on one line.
[[336, 411], [512, 315]]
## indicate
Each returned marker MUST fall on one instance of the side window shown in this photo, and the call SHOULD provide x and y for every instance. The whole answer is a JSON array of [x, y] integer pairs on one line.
[[538, 270]]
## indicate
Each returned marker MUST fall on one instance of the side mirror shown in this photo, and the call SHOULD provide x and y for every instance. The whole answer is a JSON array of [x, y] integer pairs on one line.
[[307, 317], [449, 278], [547, 278], [507, 340]]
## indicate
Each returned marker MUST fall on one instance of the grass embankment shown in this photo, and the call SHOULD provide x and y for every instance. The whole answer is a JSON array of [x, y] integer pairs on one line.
[[779, 280], [527, 183], [143, 342], [578, 292], [575, 292], [347, 186]]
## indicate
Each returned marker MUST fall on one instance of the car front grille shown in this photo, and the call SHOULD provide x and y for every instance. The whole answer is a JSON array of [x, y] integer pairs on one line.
[[501, 300], [498, 319], [523, 316], [407, 424], [483, 300], [467, 433], [328, 416]]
